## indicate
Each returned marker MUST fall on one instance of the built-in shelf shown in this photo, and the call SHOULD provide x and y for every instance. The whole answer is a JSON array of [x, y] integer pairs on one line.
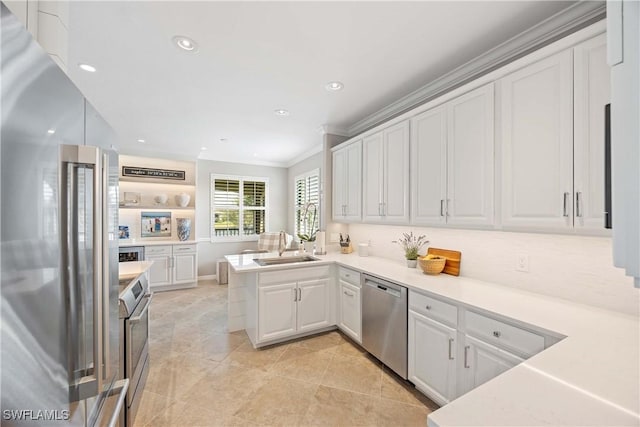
[[160, 208]]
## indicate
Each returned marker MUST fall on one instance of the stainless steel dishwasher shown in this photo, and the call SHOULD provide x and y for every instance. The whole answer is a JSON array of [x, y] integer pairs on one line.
[[384, 322]]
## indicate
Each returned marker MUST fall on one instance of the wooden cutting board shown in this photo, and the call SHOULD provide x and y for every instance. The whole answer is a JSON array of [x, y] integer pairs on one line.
[[453, 260]]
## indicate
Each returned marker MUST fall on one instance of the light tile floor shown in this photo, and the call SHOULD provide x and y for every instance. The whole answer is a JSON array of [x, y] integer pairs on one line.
[[202, 375]]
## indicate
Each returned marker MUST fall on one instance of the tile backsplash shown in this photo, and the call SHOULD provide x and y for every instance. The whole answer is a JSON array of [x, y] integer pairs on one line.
[[576, 268]]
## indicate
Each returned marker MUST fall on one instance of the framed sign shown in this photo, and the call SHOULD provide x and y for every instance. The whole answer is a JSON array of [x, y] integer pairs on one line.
[[153, 173]]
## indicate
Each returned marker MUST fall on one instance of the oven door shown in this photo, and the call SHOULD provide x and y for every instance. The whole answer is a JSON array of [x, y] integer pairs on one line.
[[137, 344]]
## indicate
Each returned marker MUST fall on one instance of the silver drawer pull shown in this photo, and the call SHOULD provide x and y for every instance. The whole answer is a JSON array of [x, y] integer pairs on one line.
[[497, 334], [348, 294], [428, 307], [466, 356], [450, 349]]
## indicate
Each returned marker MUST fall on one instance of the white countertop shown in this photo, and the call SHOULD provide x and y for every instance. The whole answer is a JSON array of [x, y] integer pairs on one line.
[[592, 377], [133, 268], [129, 243]]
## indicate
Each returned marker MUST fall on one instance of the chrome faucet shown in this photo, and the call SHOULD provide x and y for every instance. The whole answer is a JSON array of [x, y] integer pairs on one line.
[[282, 242]]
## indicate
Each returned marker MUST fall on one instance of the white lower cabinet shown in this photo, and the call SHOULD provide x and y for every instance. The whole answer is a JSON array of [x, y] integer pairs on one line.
[[482, 362], [350, 316], [454, 349], [349, 303], [173, 265], [292, 302], [432, 357], [277, 311]]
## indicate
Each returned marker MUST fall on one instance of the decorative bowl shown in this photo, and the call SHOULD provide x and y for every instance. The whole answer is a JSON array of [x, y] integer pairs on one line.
[[161, 199], [432, 265]]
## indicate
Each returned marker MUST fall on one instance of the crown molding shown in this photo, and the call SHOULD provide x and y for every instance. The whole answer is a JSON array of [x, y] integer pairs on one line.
[[333, 130], [561, 24]]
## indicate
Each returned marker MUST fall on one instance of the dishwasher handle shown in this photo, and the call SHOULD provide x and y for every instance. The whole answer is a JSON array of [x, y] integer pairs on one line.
[[383, 286]]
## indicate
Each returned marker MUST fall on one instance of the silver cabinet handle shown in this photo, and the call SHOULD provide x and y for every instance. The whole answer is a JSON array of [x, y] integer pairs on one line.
[[349, 294], [384, 209], [441, 207], [450, 349], [428, 307], [565, 204], [295, 294], [446, 210], [299, 294], [466, 356], [380, 209], [578, 204], [497, 334]]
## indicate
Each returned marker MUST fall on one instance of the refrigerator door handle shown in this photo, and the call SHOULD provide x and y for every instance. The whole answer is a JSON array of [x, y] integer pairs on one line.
[[104, 187], [119, 388], [73, 157]]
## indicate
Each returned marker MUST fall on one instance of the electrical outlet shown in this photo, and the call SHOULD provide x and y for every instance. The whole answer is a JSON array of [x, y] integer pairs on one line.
[[334, 237], [522, 263]]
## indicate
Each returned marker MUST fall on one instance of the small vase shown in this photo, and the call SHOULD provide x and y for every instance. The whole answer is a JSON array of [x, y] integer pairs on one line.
[[182, 200], [412, 263], [184, 228]]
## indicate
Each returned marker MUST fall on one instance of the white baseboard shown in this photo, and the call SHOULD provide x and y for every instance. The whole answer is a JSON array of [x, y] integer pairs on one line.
[[208, 277]]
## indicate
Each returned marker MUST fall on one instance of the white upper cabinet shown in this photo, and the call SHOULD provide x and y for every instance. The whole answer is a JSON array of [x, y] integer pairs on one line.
[[452, 161], [537, 144], [386, 175], [429, 167], [347, 183], [592, 92], [470, 158]]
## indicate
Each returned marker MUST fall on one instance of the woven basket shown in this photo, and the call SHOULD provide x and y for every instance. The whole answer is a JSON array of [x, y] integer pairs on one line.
[[432, 266]]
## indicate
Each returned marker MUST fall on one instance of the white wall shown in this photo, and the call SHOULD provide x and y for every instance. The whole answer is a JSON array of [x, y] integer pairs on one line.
[[575, 268], [208, 252], [306, 165]]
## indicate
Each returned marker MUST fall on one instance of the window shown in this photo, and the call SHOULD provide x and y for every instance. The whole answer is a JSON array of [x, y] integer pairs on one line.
[[239, 207], [307, 204]]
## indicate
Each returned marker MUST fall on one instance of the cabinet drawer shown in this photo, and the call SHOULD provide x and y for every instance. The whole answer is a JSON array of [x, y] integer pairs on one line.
[[184, 249], [293, 275], [349, 276], [504, 335], [157, 250], [434, 308]]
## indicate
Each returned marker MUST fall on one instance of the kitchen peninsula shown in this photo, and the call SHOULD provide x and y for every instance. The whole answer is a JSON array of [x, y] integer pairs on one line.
[[581, 386]]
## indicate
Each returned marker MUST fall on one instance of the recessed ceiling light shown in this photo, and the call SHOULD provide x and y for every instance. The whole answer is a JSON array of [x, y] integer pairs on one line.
[[142, 141], [185, 43], [255, 154], [87, 67], [203, 148], [51, 131], [334, 86], [281, 112]]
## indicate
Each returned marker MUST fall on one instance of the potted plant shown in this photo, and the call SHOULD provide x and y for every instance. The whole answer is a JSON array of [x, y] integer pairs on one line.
[[309, 220], [411, 245]]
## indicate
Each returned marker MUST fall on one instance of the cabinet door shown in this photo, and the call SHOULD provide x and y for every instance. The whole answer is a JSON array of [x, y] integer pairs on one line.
[[276, 311], [470, 155], [339, 184], [353, 179], [483, 362], [184, 268], [432, 353], [372, 177], [160, 271], [591, 93], [314, 304], [395, 201], [537, 144], [429, 167], [349, 316]]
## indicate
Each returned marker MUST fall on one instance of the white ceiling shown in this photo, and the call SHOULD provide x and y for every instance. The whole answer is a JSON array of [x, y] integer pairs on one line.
[[256, 57]]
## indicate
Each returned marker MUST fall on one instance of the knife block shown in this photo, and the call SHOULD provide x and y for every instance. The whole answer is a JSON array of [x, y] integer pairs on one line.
[[346, 249]]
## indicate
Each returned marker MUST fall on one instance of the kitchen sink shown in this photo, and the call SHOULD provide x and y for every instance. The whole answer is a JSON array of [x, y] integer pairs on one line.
[[284, 260]]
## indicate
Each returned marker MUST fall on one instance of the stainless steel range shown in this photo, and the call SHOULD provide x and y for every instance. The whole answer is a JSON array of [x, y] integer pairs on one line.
[[135, 300]]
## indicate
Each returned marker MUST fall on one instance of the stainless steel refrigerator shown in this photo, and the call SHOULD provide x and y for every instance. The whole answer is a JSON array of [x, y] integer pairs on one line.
[[59, 249]]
